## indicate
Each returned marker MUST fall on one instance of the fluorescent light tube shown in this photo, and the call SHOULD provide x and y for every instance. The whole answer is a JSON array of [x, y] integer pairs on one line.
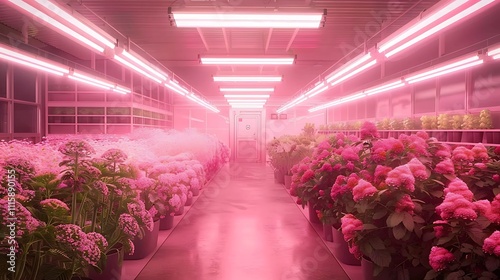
[[246, 89], [433, 74], [245, 100], [27, 60], [247, 106], [460, 16], [144, 65], [44, 17], [83, 27], [354, 72], [137, 69], [420, 24], [248, 60], [209, 19], [439, 69], [246, 96], [346, 68], [385, 87], [247, 78]]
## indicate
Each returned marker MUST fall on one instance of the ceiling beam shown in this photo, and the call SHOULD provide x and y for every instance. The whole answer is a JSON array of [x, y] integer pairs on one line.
[[202, 38], [292, 39]]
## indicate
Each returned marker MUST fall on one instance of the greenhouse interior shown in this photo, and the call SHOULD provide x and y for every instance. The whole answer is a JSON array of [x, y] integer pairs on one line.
[[249, 139]]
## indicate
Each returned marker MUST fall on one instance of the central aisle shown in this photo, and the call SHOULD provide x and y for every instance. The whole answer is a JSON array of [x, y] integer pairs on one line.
[[244, 226]]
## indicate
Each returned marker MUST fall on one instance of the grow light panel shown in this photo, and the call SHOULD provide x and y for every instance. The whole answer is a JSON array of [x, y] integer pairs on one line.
[[247, 60], [246, 96], [246, 89], [264, 19], [449, 67], [248, 78]]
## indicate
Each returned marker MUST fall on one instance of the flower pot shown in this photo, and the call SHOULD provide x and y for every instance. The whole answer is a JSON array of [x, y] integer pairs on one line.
[[113, 268], [341, 249], [180, 211], [288, 181], [189, 201], [167, 222], [327, 232], [279, 177], [313, 217], [367, 267], [146, 245]]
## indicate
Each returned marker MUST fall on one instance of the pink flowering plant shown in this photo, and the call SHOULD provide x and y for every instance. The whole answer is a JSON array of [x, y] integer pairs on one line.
[[288, 150]]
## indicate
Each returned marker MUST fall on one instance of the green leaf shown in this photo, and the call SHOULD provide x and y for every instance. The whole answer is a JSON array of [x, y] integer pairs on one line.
[[492, 263], [431, 274], [408, 221], [377, 243], [381, 258], [455, 275], [415, 262], [438, 182], [379, 214], [369, 226], [394, 219], [418, 219], [476, 234], [437, 193], [445, 239], [450, 177], [398, 232]]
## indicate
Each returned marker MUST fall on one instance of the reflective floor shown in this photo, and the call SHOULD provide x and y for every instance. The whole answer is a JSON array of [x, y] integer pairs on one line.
[[243, 226]]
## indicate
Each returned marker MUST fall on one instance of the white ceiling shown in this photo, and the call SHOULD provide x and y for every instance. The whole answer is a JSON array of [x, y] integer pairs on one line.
[[348, 24]]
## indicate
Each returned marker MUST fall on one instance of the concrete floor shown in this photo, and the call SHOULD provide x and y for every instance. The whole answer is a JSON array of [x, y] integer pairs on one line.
[[243, 226]]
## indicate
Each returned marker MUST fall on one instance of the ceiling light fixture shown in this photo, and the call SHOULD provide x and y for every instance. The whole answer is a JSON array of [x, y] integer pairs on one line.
[[202, 102], [246, 89], [78, 27], [245, 100], [419, 23], [385, 87], [139, 63], [494, 51], [247, 106], [445, 68], [291, 104], [319, 88], [265, 19], [338, 102], [247, 60], [474, 7], [130, 65], [246, 96], [248, 78], [31, 61]]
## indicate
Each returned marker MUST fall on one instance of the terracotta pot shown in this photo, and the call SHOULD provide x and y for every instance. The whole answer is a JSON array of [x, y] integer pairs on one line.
[[328, 232], [180, 211], [113, 268], [341, 249], [189, 201], [167, 222], [146, 245], [279, 177], [313, 217], [288, 181]]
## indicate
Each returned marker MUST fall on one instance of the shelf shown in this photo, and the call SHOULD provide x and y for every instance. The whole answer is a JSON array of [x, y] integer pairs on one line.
[[489, 137]]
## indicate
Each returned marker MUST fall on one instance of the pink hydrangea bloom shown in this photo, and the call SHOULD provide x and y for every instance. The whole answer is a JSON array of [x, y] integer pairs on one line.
[[491, 244], [128, 224], [325, 145], [423, 135], [445, 167], [381, 172], [26, 223], [462, 154], [138, 210], [401, 177], [439, 258], [54, 203], [363, 189], [458, 186], [443, 152], [368, 130], [308, 175], [324, 154], [418, 169], [326, 167], [339, 187], [483, 206], [379, 154], [75, 148], [440, 230], [494, 212], [131, 247], [456, 206], [480, 153], [405, 204], [101, 187], [98, 239], [354, 249], [350, 224], [350, 154]]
